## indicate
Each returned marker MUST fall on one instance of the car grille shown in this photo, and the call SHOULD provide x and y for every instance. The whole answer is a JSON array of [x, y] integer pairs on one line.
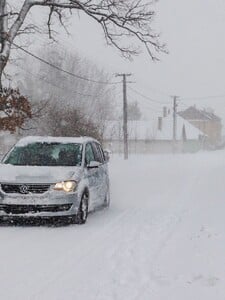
[[25, 188], [23, 209]]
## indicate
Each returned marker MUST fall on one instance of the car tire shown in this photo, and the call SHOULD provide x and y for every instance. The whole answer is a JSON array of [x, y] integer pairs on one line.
[[82, 214], [107, 199]]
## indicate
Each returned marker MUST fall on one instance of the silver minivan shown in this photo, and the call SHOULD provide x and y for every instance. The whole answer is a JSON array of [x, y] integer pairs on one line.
[[53, 178]]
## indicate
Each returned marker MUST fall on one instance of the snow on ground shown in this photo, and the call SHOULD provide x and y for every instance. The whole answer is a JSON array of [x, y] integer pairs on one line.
[[162, 238]]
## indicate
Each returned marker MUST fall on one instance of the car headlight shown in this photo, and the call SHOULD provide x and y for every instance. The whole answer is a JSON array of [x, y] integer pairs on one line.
[[66, 186]]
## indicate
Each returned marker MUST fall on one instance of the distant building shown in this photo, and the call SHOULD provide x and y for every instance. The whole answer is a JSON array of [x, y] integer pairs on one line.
[[206, 121], [154, 136]]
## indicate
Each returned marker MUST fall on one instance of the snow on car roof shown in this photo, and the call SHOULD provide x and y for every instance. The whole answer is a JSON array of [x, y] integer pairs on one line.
[[50, 139]]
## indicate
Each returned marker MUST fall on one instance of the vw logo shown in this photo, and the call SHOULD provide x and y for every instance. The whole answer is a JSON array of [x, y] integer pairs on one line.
[[24, 189]]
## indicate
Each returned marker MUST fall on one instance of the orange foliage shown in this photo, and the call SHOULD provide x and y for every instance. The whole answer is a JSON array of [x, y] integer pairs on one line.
[[14, 109]]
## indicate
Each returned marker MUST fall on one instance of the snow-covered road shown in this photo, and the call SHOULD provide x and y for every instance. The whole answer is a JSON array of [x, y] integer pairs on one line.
[[163, 239]]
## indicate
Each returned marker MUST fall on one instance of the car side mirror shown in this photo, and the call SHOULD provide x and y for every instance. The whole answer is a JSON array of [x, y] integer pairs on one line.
[[93, 164], [107, 155]]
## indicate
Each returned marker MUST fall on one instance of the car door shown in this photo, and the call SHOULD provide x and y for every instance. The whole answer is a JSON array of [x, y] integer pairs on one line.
[[92, 175], [101, 192]]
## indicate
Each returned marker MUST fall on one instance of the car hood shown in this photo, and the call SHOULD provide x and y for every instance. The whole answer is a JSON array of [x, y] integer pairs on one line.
[[36, 174]]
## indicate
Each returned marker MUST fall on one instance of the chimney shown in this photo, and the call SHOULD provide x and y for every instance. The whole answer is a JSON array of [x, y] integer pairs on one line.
[[164, 112], [160, 123]]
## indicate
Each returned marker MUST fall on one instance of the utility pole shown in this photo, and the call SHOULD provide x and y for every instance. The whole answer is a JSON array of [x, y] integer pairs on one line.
[[174, 121], [125, 133]]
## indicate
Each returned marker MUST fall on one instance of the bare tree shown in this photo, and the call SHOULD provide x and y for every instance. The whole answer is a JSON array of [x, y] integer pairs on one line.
[[53, 94], [118, 19], [70, 122]]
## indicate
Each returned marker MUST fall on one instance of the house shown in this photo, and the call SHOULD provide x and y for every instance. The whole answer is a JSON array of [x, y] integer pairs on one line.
[[206, 121], [155, 136]]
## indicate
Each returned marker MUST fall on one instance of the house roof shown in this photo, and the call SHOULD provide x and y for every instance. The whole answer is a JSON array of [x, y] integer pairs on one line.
[[148, 130], [194, 114], [191, 132]]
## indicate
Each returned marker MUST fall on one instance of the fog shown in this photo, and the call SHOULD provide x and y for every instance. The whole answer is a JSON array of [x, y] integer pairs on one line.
[[162, 236]]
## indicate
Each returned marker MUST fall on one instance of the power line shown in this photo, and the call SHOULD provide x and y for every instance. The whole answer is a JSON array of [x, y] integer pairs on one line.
[[60, 69], [182, 107], [148, 105], [108, 82], [145, 102], [203, 97], [112, 83], [146, 97], [55, 85], [156, 90], [150, 108]]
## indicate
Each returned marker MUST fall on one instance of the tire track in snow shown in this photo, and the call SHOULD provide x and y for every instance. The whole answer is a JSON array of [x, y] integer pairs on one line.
[[131, 265], [104, 234], [129, 241], [177, 220], [55, 266]]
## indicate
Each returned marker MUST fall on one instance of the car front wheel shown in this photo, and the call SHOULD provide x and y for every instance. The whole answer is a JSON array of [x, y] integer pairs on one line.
[[107, 199], [82, 214]]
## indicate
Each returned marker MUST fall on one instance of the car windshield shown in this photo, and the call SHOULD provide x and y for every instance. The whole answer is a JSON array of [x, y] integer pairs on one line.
[[45, 154]]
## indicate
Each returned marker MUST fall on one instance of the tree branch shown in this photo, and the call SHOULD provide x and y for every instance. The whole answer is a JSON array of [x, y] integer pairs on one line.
[[118, 19]]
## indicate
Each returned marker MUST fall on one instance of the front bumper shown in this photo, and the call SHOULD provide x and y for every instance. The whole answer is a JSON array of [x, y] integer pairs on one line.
[[47, 205]]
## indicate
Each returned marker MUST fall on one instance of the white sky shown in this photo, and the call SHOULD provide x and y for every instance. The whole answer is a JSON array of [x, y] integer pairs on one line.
[[194, 31]]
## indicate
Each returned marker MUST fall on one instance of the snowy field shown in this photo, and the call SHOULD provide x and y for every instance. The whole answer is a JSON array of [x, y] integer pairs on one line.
[[162, 239]]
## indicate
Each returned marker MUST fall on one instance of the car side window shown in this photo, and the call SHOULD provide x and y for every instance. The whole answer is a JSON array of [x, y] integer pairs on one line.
[[89, 154], [97, 153], [102, 152]]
